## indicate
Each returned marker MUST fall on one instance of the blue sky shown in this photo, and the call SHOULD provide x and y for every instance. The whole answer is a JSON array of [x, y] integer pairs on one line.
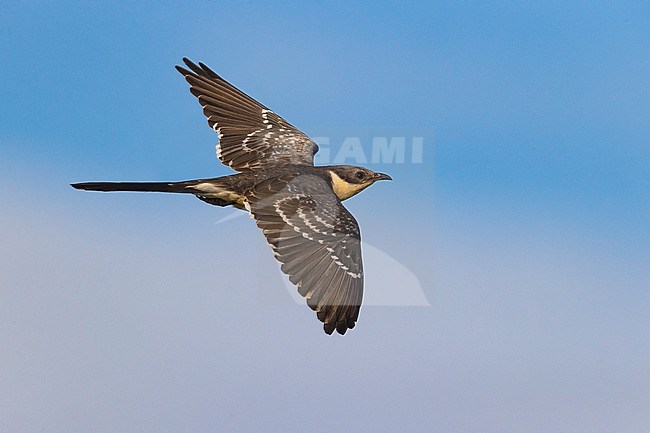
[[525, 226]]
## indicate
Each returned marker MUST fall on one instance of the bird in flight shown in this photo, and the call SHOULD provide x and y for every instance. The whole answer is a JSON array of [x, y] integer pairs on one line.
[[296, 204]]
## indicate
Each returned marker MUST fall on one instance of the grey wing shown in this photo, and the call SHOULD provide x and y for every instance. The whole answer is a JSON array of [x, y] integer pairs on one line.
[[318, 243], [250, 135]]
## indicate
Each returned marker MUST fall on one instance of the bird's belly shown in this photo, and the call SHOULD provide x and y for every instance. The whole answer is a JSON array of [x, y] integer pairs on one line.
[[221, 192]]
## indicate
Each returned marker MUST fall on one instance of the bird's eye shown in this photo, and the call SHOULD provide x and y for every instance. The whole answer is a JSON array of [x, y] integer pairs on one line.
[[360, 175]]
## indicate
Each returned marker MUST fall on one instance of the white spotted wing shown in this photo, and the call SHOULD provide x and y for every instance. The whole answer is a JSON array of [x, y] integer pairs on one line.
[[250, 135], [318, 243]]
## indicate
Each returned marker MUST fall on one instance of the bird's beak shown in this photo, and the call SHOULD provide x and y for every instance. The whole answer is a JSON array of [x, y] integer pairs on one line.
[[382, 176]]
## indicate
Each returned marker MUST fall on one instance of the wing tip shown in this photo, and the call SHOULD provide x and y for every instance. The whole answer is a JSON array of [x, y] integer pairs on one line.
[[328, 328], [184, 72], [341, 327], [201, 70]]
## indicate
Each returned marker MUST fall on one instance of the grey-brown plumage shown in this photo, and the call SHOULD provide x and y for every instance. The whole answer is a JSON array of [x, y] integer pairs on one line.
[[297, 205]]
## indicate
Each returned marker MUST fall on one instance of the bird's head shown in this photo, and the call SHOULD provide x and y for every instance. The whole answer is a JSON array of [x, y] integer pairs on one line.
[[348, 180]]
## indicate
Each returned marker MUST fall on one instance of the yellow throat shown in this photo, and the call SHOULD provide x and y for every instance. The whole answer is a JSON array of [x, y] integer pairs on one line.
[[344, 189]]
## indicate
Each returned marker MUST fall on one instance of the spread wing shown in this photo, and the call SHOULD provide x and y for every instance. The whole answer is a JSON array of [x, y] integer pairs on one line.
[[318, 243], [250, 135]]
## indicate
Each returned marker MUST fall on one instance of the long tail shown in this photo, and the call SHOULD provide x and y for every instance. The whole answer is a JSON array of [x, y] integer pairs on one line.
[[218, 191], [178, 187]]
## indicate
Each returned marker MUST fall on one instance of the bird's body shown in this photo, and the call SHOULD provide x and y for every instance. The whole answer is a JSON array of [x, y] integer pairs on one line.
[[296, 204], [231, 190]]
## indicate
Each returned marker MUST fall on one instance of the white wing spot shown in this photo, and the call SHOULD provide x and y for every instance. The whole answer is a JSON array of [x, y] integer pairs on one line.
[[286, 219]]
